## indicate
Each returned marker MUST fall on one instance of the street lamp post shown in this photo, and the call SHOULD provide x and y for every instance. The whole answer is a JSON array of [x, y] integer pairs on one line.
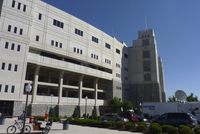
[[86, 106], [28, 89]]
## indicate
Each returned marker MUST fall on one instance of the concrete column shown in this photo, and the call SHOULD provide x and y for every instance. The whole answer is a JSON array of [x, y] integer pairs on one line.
[[80, 88], [35, 84], [60, 86], [95, 90]]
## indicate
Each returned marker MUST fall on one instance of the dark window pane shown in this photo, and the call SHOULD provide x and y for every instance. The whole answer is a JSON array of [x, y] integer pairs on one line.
[[118, 51], [6, 88], [9, 67], [24, 9], [13, 46], [146, 54], [145, 42], [21, 31], [13, 3], [6, 45], [3, 66], [9, 28], [13, 89], [15, 30], [15, 69], [18, 48], [147, 66], [19, 6], [147, 77]]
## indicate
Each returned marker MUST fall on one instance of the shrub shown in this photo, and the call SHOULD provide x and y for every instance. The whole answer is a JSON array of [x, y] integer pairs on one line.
[[129, 126], [169, 129], [76, 113], [185, 130], [155, 128], [108, 124], [197, 130], [141, 127], [40, 118], [120, 125]]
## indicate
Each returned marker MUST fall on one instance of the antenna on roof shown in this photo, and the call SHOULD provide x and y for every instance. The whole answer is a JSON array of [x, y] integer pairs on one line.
[[145, 22]]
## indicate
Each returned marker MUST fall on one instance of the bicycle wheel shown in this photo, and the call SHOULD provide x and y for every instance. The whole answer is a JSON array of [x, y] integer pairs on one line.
[[27, 129], [11, 129]]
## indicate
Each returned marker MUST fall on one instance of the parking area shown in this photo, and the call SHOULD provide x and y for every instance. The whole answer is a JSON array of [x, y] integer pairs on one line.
[[73, 129]]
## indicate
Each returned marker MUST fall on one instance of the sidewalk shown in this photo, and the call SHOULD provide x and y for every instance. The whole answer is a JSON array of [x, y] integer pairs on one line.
[[73, 129]]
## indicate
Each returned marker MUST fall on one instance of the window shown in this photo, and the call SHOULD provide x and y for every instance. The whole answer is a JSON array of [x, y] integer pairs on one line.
[[37, 38], [107, 45], [15, 30], [12, 89], [146, 54], [6, 88], [3, 66], [6, 45], [118, 51], [94, 39], [13, 46], [147, 77], [117, 65], [60, 45], [19, 6], [77, 50], [126, 56], [15, 69], [92, 55], [9, 67], [13, 3], [74, 49], [118, 75], [81, 51], [56, 44], [18, 48], [9, 28], [21, 31], [24, 9], [145, 42], [52, 42], [58, 23], [40, 16], [0, 87], [79, 32], [147, 66]]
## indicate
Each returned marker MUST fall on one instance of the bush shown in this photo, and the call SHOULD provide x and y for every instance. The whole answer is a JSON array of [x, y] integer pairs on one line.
[[129, 126], [120, 125], [109, 124], [76, 113], [40, 118], [185, 130], [155, 128], [169, 129], [197, 130], [141, 127]]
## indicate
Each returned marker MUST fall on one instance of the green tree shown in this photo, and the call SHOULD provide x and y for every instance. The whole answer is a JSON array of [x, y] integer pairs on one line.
[[114, 105], [172, 99], [127, 105], [192, 98]]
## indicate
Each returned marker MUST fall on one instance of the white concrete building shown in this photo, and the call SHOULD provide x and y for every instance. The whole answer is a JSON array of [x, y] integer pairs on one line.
[[64, 58]]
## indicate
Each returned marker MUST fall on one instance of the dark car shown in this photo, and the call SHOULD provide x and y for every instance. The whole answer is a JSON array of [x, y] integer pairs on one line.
[[112, 117], [132, 116], [176, 119]]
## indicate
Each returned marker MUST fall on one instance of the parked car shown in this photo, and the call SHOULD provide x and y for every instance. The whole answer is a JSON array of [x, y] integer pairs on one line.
[[132, 116], [113, 117], [176, 119]]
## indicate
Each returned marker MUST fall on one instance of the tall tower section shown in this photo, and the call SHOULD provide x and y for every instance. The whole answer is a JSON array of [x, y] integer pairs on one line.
[[146, 83]]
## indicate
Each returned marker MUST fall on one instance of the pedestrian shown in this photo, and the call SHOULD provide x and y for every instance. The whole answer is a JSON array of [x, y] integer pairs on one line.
[[21, 117]]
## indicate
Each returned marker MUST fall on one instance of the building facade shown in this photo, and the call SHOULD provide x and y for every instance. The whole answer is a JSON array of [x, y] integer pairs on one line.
[[67, 61]]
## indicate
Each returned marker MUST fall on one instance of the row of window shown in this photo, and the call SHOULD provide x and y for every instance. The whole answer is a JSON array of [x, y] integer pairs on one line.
[[15, 30], [18, 5], [58, 23], [146, 54], [108, 61], [147, 66], [56, 44], [6, 88], [12, 46], [94, 56], [3, 67], [78, 51]]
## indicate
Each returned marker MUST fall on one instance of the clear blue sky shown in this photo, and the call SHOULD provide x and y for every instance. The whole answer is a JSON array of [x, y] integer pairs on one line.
[[176, 24]]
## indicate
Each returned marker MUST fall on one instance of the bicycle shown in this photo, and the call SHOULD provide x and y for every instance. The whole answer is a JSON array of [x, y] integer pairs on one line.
[[18, 125]]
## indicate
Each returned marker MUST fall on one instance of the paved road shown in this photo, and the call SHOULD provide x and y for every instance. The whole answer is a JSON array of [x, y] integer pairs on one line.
[[73, 129]]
